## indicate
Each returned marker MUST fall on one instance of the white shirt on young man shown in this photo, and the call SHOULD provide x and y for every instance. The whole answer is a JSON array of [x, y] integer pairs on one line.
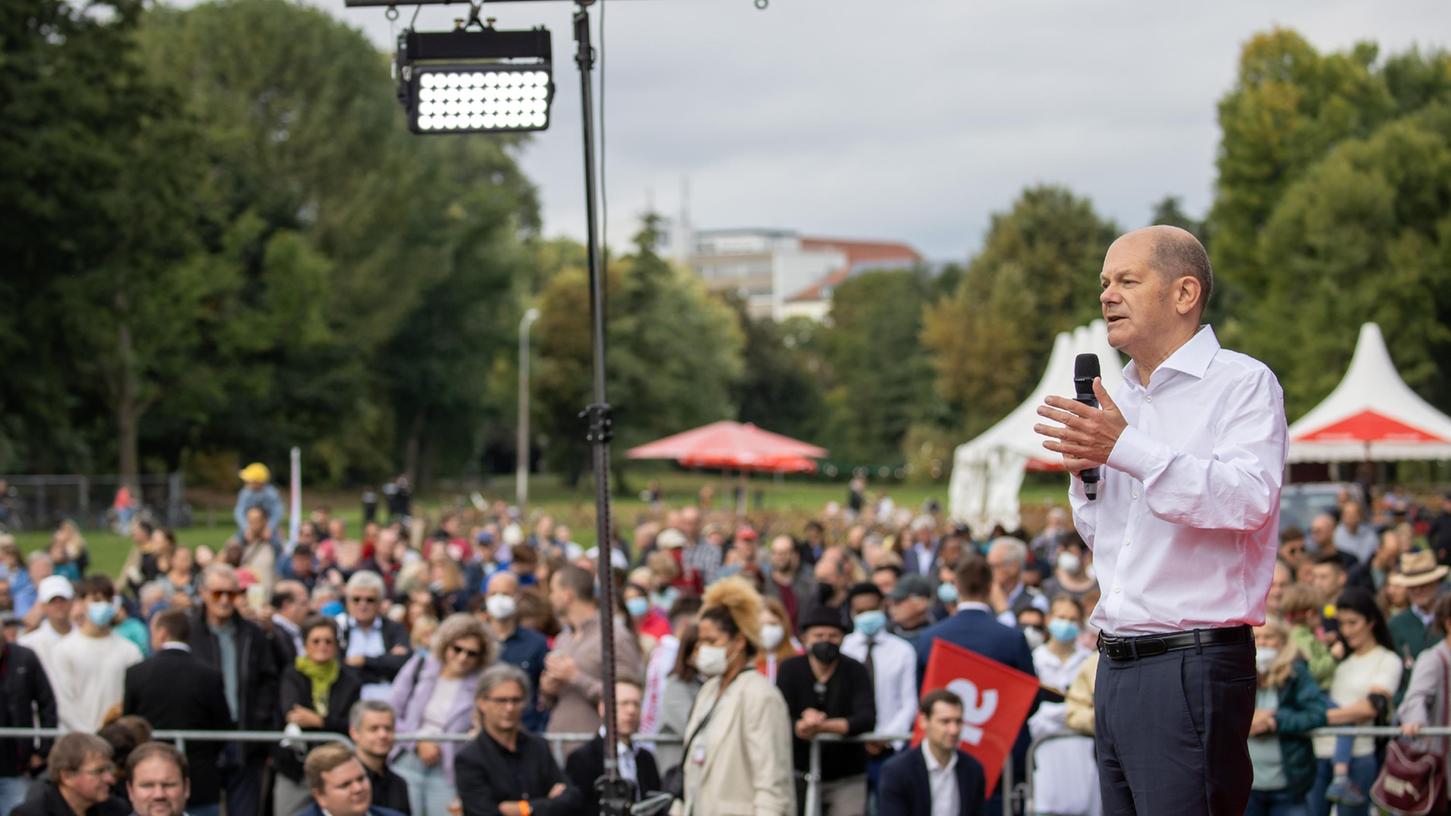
[[1186, 525], [90, 677], [942, 782], [894, 679]]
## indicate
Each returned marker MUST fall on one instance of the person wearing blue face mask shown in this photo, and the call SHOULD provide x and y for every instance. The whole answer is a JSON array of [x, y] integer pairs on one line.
[[891, 662], [90, 665], [1067, 771]]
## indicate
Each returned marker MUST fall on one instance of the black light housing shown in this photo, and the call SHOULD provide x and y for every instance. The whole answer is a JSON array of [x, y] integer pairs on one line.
[[484, 81]]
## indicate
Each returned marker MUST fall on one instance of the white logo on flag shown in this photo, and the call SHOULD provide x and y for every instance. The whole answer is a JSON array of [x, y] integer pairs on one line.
[[975, 712]]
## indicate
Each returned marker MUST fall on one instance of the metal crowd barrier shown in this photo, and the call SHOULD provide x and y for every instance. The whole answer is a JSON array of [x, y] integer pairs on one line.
[[1012, 794]]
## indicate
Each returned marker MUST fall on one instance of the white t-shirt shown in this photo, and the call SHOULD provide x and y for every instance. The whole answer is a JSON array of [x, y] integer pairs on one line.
[[1354, 678], [90, 677], [42, 641]]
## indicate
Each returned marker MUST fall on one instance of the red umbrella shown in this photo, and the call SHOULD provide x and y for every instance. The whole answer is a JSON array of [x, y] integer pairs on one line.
[[733, 446]]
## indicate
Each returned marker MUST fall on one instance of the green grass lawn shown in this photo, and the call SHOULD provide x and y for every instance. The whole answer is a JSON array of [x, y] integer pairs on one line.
[[787, 503]]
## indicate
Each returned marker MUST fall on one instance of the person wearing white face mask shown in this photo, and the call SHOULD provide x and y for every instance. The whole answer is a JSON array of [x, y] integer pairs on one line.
[[1072, 571], [90, 663], [1067, 774], [519, 645], [1288, 704], [892, 664], [778, 642], [737, 753]]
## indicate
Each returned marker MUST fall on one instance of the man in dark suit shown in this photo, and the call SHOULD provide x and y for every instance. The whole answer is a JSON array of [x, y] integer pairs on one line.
[[937, 778], [247, 661], [26, 699], [372, 726], [975, 627], [339, 784], [507, 771], [372, 643], [175, 690], [637, 765]]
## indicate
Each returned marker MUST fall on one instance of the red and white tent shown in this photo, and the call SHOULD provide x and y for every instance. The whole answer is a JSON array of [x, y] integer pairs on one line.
[[1372, 415]]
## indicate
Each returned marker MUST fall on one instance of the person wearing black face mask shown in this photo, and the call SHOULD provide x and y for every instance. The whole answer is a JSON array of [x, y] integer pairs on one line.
[[829, 693]]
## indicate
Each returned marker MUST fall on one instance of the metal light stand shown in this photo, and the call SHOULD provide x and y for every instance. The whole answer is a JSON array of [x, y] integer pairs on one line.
[[615, 793]]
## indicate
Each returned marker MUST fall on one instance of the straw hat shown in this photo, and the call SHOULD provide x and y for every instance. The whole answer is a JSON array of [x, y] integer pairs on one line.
[[1419, 567]]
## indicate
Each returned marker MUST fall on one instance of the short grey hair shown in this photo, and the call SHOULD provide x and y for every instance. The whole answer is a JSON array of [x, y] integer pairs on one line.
[[1178, 255], [499, 674], [1012, 549], [217, 569], [361, 707], [367, 580]]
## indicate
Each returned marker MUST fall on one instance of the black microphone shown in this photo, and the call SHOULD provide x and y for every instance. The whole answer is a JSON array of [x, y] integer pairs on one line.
[[1085, 369]]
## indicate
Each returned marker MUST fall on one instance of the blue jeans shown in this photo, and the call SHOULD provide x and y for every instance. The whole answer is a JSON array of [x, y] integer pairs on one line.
[[1275, 803], [429, 791], [1363, 770], [12, 792]]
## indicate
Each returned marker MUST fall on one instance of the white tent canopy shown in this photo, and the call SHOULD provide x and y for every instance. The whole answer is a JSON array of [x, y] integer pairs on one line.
[[987, 472], [1372, 415]]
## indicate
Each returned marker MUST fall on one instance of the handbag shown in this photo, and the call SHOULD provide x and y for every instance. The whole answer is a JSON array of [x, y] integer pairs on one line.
[[1410, 781], [673, 782]]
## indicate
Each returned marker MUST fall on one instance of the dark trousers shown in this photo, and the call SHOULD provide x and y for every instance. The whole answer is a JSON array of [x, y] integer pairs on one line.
[[1173, 731]]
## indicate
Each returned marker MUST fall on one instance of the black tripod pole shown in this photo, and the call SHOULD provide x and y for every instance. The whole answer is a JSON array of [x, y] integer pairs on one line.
[[615, 792]]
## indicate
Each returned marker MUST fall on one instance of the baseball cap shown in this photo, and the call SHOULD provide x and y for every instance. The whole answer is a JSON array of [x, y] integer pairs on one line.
[[912, 584], [55, 586]]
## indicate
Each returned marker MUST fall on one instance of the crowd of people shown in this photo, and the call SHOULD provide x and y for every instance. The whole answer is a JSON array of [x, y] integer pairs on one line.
[[736, 644]]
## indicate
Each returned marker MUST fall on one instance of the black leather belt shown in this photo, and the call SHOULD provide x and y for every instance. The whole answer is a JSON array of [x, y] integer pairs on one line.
[[1133, 648]]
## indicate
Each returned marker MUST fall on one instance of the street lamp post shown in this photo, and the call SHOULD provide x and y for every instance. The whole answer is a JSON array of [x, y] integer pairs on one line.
[[521, 465]]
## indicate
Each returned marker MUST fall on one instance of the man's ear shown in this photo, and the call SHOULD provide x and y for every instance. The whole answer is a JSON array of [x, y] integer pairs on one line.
[[1187, 295]]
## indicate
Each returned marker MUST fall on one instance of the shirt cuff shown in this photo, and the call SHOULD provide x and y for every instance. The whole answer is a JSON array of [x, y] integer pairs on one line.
[[1139, 455]]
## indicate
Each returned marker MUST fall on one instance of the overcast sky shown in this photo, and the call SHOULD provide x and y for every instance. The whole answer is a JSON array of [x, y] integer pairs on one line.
[[908, 120]]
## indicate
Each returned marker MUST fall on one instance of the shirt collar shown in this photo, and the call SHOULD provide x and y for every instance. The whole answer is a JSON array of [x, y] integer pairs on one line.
[[177, 645], [932, 763], [978, 606], [377, 623], [1192, 358]]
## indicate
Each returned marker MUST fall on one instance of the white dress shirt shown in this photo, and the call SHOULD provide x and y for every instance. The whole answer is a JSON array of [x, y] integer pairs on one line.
[[1186, 525], [894, 677], [942, 782]]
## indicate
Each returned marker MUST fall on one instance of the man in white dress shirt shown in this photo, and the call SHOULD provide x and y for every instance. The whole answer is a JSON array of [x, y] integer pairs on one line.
[[892, 664], [1184, 532]]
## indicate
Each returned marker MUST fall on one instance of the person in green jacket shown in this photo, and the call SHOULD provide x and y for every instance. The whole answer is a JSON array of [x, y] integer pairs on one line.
[[1288, 705], [1422, 577]]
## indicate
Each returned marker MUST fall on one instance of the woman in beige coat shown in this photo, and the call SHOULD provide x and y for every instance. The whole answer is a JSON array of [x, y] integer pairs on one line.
[[738, 759]]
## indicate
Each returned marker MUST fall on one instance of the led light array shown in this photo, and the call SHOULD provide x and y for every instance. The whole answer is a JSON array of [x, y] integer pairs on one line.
[[484, 98]]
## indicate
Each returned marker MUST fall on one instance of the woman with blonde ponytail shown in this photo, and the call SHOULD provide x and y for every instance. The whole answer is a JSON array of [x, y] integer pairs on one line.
[[737, 753]]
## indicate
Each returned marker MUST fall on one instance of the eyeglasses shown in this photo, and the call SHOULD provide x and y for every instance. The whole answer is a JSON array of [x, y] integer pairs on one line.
[[98, 771], [362, 599], [505, 701], [220, 594], [473, 654]]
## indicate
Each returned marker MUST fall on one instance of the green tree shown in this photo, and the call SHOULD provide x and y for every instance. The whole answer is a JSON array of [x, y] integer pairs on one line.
[[1289, 106], [673, 353], [99, 172], [375, 269], [777, 389], [1365, 235], [878, 382], [1036, 276]]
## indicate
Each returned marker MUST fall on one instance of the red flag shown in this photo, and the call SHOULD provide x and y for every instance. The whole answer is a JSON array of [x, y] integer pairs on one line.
[[995, 702]]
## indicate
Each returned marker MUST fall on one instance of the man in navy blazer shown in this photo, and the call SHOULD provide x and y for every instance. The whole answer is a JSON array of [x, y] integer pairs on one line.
[[975, 627], [936, 778]]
